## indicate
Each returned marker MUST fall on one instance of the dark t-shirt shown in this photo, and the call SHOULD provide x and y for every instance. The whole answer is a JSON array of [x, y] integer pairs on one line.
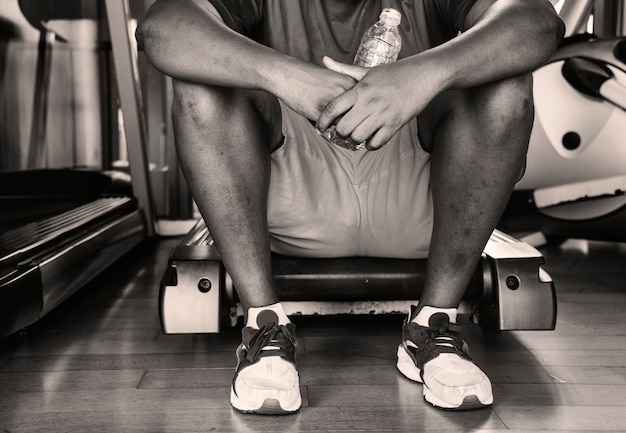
[[310, 29]]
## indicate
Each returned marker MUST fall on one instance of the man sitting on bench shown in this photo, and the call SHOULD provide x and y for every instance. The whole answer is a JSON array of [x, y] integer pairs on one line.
[[447, 129]]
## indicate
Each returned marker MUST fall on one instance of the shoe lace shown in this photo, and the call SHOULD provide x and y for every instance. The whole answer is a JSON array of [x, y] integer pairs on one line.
[[271, 340], [445, 339], [436, 340]]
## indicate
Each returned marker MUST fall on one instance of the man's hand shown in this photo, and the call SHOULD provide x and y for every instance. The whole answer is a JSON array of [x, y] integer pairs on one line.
[[384, 99], [307, 88]]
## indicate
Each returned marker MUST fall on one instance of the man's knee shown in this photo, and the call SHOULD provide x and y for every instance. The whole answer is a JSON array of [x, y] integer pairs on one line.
[[508, 103], [488, 112], [226, 109], [201, 105], [507, 111]]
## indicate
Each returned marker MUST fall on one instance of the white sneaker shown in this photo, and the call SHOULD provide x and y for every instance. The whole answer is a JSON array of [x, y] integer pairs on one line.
[[266, 380], [437, 357]]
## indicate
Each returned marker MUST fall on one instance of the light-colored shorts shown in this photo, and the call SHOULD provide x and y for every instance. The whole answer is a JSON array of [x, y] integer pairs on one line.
[[327, 201]]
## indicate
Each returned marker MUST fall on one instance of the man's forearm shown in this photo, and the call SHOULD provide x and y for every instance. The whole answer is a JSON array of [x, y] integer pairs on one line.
[[511, 37], [187, 40]]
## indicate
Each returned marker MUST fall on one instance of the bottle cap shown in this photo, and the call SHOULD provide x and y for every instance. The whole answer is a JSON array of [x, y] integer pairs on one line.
[[390, 17]]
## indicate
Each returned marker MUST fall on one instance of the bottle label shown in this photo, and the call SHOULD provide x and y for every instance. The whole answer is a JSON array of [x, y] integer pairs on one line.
[[374, 52]]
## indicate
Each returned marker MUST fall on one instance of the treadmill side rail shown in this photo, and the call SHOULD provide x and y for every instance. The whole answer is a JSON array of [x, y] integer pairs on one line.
[[518, 293], [21, 299], [190, 299], [86, 257], [64, 260]]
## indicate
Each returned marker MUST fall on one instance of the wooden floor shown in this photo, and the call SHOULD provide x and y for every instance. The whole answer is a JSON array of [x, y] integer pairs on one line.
[[101, 363]]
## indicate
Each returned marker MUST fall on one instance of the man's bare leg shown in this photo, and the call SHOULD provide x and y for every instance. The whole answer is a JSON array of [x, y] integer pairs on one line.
[[223, 139], [478, 139]]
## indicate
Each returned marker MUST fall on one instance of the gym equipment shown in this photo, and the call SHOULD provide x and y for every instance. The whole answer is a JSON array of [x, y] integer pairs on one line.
[[576, 172], [60, 228], [509, 290]]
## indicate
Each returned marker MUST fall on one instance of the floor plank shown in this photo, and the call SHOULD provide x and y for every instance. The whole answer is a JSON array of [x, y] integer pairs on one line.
[[70, 380], [559, 418]]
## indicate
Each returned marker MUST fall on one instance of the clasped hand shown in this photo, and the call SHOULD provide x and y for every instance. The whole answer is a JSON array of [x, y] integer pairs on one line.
[[373, 109]]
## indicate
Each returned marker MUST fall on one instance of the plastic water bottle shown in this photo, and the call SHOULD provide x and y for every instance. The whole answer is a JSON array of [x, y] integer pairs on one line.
[[380, 44]]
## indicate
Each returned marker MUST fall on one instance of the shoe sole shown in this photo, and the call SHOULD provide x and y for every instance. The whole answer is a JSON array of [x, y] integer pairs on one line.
[[407, 367], [270, 406]]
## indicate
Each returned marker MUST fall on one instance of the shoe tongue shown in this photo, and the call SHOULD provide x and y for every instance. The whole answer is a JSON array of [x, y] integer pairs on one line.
[[439, 320], [266, 317]]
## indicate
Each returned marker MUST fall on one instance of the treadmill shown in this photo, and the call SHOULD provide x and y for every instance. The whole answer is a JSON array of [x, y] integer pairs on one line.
[[509, 290], [59, 228]]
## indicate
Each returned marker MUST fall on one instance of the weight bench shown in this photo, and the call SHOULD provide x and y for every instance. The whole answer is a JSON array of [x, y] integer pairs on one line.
[[509, 290]]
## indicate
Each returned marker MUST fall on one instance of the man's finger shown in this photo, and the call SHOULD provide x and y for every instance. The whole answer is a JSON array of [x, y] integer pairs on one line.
[[354, 71], [334, 110], [379, 139]]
